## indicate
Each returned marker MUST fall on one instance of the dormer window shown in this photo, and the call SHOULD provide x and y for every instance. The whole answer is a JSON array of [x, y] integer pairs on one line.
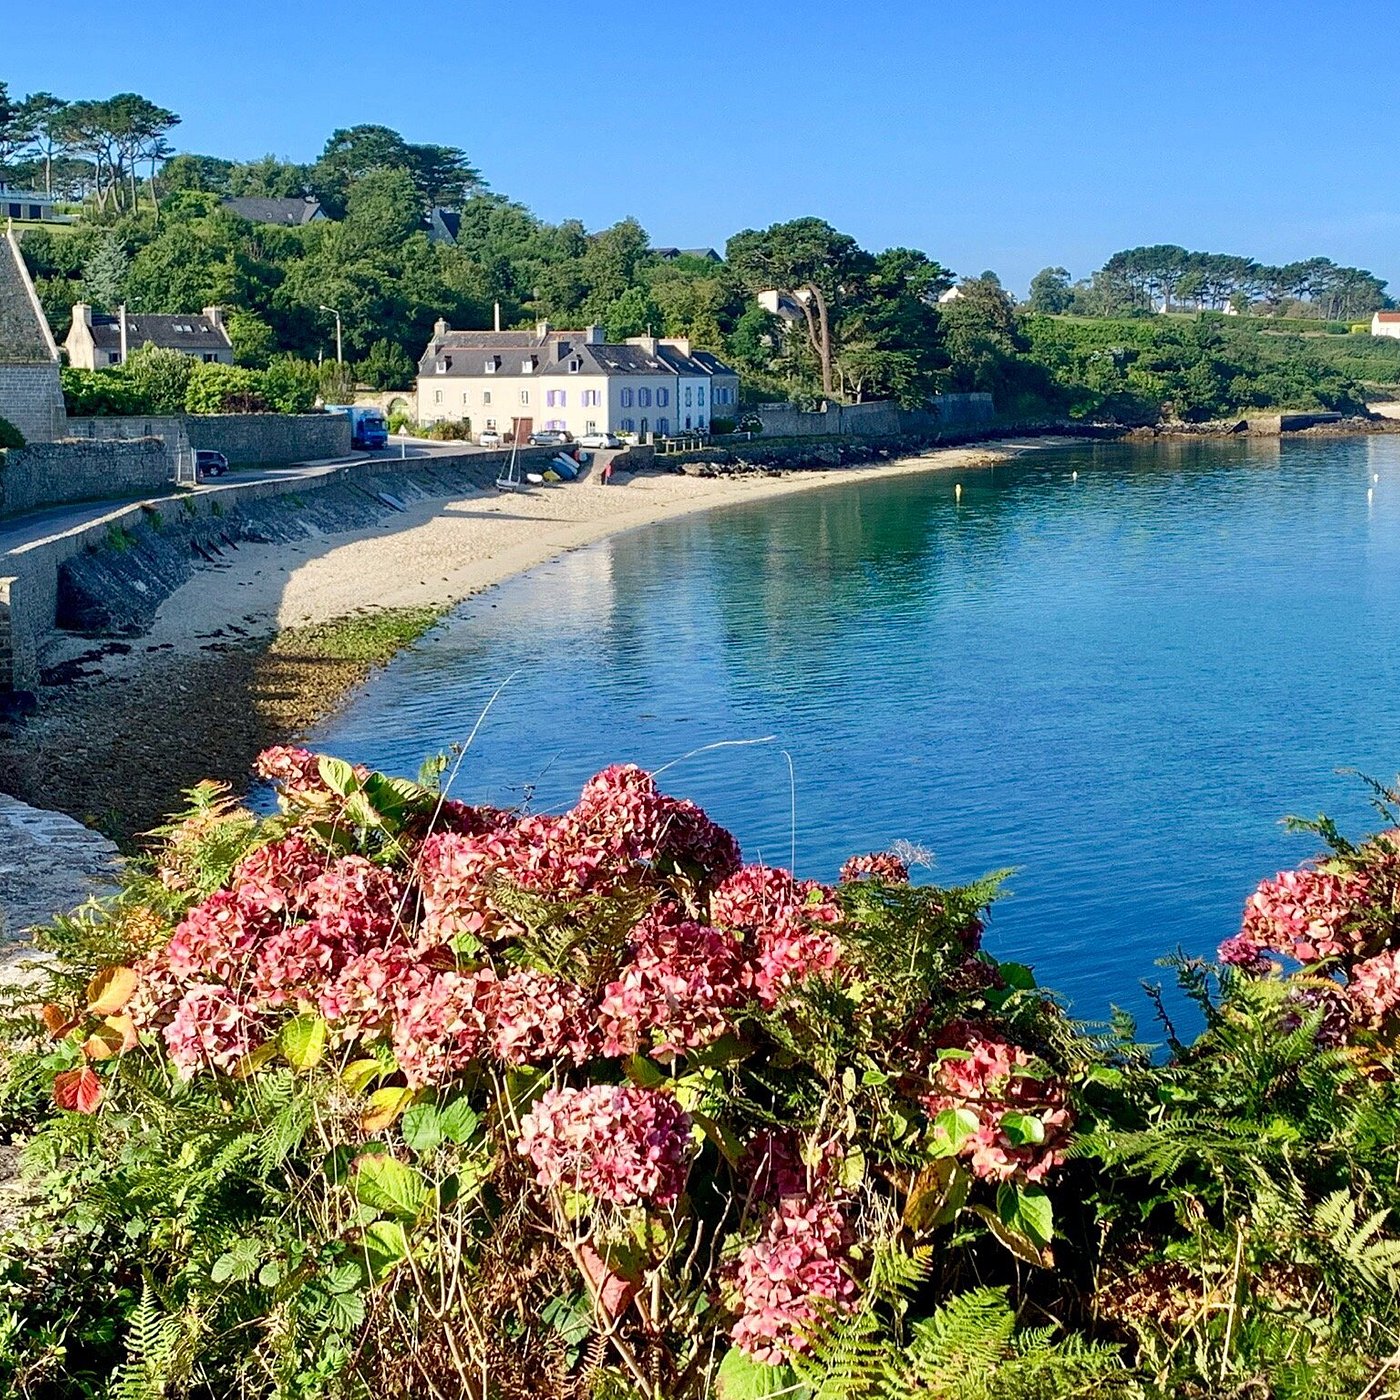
[[575, 365], [493, 363], [528, 365], [444, 364]]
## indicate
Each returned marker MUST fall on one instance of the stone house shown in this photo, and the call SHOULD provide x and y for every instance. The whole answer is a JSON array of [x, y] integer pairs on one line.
[[573, 381], [31, 396], [97, 341]]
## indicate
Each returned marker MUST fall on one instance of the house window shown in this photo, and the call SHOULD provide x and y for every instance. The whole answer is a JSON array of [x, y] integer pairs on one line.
[[465, 398], [590, 426], [700, 396], [663, 426], [687, 420], [437, 395], [645, 427], [524, 396], [662, 397], [643, 398], [490, 422], [626, 398], [486, 396], [575, 366], [114, 357], [16, 211], [628, 425], [689, 396], [492, 364], [441, 366], [211, 359], [700, 423], [35, 212], [591, 398]]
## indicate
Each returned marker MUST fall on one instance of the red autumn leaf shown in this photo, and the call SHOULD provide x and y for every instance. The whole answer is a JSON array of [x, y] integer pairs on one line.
[[613, 1290], [57, 1019], [78, 1090], [115, 1036]]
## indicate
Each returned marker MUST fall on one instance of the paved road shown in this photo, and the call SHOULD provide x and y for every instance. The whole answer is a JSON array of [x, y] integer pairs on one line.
[[24, 530]]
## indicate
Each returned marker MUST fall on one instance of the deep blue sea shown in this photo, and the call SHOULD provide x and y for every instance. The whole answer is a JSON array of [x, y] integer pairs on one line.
[[1114, 668]]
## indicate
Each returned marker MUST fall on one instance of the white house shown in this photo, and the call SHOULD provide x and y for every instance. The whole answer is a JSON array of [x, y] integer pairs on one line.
[[96, 341], [1386, 323], [523, 381]]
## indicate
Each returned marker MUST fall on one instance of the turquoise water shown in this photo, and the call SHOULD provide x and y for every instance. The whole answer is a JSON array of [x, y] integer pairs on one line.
[[1117, 682]]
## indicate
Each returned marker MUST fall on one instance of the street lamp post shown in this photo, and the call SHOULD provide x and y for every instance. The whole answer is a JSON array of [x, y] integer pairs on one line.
[[339, 358]]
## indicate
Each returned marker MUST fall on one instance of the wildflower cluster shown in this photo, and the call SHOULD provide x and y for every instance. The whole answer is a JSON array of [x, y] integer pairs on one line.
[[620, 1001]]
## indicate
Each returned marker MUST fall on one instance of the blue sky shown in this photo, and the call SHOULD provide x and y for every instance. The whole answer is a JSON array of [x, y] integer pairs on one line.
[[1005, 135]]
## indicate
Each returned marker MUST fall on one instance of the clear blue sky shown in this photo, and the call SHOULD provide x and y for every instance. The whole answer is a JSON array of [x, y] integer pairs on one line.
[[1004, 134]]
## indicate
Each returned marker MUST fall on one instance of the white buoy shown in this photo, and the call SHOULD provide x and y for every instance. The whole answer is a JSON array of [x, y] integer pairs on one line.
[[1375, 477], [1370, 494], [957, 491], [1074, 476]]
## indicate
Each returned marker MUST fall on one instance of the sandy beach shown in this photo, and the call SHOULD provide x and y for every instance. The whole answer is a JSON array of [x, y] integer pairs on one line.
[[223, 671]]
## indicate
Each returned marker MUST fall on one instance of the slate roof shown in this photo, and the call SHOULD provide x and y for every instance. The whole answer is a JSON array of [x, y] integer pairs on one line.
[[290, 213], [444, 223], [704, 254], [24, 335], [191, 334], [712, 364]]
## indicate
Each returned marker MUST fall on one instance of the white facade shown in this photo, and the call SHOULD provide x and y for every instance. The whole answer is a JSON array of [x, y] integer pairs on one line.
[[1386, 323]]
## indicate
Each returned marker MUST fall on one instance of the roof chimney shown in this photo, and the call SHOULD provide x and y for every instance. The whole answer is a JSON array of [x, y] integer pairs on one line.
[[593, 335], [440, 328], [542, 330], [214, 316], [497, 305], [679, 342], [121, 321]]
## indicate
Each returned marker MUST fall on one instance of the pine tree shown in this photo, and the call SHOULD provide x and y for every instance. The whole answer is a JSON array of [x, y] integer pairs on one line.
[[104, 273]]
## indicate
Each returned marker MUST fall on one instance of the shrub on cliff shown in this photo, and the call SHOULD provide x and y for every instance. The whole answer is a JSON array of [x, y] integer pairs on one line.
[[390, 1094], [10, 436]]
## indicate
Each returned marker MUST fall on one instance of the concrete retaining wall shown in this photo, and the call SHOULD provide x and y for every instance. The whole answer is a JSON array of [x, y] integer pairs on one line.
[[878, 419], [246, 439], [56, 473], [79, 579]]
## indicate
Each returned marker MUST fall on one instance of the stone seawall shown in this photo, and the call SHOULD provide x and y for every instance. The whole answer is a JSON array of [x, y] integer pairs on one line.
[[57, 473], [112, 574], [946, 411]]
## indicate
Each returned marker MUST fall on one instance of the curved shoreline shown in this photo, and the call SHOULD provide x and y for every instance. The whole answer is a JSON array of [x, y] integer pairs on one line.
[[250, 650]]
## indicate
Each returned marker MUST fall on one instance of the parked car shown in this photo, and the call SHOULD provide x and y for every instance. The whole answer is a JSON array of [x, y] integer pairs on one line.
[[210, 464], [550, 437], [490, 438], [606, 440]]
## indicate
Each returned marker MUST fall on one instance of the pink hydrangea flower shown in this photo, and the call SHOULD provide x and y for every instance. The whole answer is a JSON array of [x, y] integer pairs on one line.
[[1244, 953], [536, 1017], [212, 1029], [991, 1078], [216, 938], [1374, 988], [1307, 914], [365, 993], [788, 924], [277, 877], [680, 979], [443, 1025], [616, 1142], [882, 866]]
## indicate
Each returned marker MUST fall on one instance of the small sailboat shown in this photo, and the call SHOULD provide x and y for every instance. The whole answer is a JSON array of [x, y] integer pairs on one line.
[[509, 479]]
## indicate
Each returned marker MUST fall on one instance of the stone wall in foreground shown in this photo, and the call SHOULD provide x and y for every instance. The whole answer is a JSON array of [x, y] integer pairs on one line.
[[57, 473]]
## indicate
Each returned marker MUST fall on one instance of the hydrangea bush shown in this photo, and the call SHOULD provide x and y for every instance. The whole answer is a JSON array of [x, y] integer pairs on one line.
[[391, 1091]]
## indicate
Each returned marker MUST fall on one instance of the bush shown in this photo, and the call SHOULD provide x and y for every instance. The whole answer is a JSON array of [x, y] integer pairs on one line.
[[290, 385], [10, 436], [159, 379], [216, 388], [448, 430], [401, 420], [91, 393], [389, 1095], [720, 426]]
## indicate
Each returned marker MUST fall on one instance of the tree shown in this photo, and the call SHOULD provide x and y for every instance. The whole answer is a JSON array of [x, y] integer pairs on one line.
[[812, 262], [290, 385], [105, 273], [387, 366], [15, 130], [216, 388], [200, 174], [159, 378], [440, 174], [1051, 294], [253, 340], [269, 178], [43, 114], [633, 313]]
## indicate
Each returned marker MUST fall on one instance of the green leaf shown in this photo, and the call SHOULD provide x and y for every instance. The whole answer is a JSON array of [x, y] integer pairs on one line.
[[338, 775], [360, 1074], [460, 1121], [239, 1264], [389, 1185], [302, 1041], [386, 1245], [422, 1126], [1023, 1129], [1017, 976], [345, 1311], [642, 1072], [1027, 1209], [955, 1126], [740, 1377]]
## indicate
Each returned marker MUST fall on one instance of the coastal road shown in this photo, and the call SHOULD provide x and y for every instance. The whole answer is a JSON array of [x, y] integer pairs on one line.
[[22, 530]]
